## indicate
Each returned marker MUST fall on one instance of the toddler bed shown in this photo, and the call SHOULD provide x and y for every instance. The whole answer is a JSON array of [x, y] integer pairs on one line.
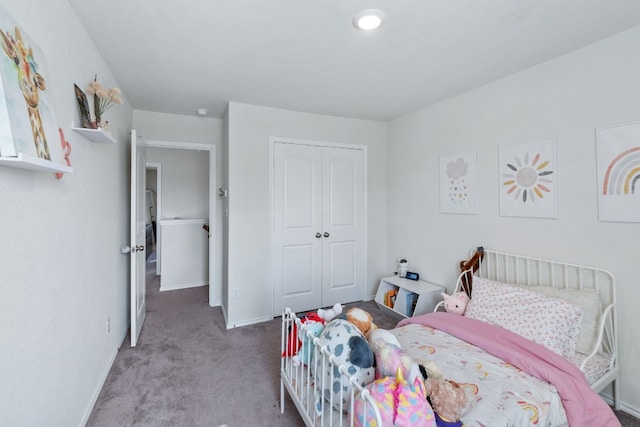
[[536, 345]]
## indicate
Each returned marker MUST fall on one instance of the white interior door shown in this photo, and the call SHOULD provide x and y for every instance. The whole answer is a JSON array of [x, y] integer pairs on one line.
[[297, 236], [343, 226], [319, 226], [137, 237]]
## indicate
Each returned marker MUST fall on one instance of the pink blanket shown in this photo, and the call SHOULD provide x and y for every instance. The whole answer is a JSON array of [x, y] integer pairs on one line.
[[583, 406]]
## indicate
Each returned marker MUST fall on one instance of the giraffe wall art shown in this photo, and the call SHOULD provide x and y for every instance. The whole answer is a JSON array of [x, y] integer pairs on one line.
[[27, 120]]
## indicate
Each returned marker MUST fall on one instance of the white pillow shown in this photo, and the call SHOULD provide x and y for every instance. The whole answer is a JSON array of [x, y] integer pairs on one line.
[[551, 322], [589, 300]]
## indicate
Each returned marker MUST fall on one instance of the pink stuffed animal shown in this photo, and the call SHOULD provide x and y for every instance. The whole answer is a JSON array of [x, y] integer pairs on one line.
[[456, 303]]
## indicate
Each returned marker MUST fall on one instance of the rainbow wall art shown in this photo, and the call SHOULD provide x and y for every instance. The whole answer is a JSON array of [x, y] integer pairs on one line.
[[618, 151]]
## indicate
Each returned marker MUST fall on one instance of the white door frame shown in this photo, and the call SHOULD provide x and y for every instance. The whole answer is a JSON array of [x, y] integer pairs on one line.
[[158, 169], [273, 140], [212, 201]]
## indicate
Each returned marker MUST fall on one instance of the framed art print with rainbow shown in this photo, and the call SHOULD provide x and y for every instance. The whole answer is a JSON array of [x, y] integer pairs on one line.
[[618, 164]]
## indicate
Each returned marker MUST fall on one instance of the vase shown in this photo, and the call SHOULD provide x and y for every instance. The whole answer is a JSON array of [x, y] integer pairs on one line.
[[96, 110]]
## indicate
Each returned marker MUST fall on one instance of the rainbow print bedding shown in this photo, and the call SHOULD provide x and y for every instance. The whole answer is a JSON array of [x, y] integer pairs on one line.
[[501, 393]]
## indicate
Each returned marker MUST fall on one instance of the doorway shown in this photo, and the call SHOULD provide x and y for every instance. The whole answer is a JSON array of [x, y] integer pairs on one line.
[[164, 181]]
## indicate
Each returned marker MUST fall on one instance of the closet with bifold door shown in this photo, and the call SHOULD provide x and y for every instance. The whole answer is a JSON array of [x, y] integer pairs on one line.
[[319, 218]]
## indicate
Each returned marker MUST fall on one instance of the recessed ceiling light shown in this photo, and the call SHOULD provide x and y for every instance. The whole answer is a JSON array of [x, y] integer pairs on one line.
[[202, 112], [369, 19]]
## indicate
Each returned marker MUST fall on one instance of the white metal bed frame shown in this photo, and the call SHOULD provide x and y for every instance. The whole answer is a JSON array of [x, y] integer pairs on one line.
[[532, 271], [303, 388], [499, 266]]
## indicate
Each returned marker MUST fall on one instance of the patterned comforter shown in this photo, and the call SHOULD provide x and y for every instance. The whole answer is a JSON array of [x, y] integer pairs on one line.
[[500, 392]]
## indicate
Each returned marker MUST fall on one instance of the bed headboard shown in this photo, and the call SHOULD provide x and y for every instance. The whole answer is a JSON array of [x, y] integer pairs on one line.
[[533, 271]]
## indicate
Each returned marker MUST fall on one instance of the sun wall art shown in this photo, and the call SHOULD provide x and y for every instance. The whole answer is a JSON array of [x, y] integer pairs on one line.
[[528, 179], [618, 164], [458, 192]]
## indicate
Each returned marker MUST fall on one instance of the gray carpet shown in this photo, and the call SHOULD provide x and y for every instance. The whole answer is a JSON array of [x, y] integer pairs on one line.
[[188, 370]]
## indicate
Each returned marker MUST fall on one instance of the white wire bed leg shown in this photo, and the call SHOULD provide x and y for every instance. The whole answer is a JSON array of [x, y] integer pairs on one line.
[[281, 396], [284, 344]]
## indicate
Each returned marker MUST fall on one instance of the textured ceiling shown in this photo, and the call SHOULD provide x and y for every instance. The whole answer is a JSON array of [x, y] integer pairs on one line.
[[305, 55]]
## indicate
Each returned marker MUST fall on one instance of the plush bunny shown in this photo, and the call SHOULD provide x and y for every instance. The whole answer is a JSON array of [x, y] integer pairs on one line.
[[456, 303]]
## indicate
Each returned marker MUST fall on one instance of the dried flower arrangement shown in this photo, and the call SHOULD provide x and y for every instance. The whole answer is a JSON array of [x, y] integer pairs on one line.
[[103, 99]]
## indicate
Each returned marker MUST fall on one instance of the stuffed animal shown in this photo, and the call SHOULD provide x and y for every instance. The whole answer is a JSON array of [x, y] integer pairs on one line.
[[330, 313], [456, 303], [316, 323], [305, 352], [399, 403], [294, 342], [429, 369], [349, 348], [390, 359], [470, 266], [362, 320], [378, 336], [447, 399]]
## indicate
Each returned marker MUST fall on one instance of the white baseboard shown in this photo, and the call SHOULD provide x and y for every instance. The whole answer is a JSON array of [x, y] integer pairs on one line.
[[103, 379], [624, 407], [182, 286], [630, 410], [224, 314], [249, 322]]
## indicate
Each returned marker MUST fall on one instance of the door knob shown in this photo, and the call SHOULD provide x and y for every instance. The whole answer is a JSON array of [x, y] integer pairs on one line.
[[326, 234], [131, 249], [318, 235]]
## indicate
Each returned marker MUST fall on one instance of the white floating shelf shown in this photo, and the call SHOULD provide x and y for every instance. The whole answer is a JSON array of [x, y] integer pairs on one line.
[[25, 161], [95, 135]]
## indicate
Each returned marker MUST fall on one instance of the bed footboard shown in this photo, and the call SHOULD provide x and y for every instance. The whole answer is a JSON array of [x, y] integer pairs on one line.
[[299, 380]]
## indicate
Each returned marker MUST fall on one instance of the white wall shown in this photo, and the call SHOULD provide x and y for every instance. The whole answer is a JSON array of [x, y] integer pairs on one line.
[[61, 271], [568, 97], [249, 263], [178, 128], [184, 182]]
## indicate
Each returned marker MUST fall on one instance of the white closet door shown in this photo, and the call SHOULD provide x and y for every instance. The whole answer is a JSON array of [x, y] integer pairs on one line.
[[343, 226], [319, 225], [297, 257]]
